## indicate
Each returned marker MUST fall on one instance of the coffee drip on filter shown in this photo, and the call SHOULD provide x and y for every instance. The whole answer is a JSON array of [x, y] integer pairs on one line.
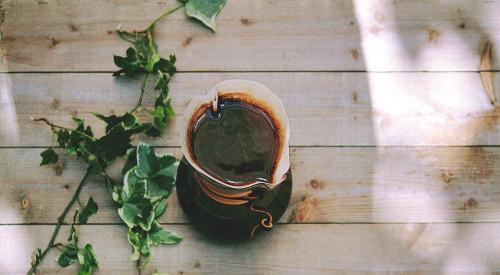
[[235, 176]]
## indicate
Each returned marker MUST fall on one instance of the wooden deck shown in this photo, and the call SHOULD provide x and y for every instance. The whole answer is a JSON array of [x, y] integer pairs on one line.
[[395, 143]]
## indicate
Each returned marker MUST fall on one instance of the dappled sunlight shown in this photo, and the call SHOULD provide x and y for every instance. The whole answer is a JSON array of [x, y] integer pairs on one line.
[[434, 188], [15, 245], [9, 131], [431, 36], [399, 193], [475, 250], [446, 108], [15, 241]]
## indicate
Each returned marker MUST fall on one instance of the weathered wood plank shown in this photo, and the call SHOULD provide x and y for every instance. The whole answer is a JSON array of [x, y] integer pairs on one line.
[[288, 249], [294, 35], [324, 108], [331, 185]]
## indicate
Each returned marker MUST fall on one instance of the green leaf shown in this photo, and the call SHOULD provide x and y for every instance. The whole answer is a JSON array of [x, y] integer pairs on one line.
[[111, 121], [130, 64], [68, 256], [35, 261], [159, 187], [115, 143], [152, 62], [146, 222], [49, 156], [73, 237], [147, 162], [135, 241], [168, 166], [87, 260], [85, 270], [137, 214], [166, 65], [140, 243], [158, 235], [155, 272], [169, 110], [62, 137], [160, 208], [87, 211], [142, 197], [205, 10], [131, 54], [153, 132], [128, 213], [134, 188], [131, 161], [129, 120], [159, 117]]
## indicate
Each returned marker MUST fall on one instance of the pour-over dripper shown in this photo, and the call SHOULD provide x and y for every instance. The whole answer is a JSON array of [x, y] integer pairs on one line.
[[258, 96], [218, 204]]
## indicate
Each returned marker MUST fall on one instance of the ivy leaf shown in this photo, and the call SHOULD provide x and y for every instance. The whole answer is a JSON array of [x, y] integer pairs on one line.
[[205, 10], [166, 65], [111, 121], [146, 221], [62, 137], [35, 261], [142, 200], [160, 209], [49, 156], [87, 211], [73, 237], [68, 256], [152, 62], [128, 213], [130, 64], [134, 188], [140, 243], [129, 121], [87, 260], [72, 254], [131, 161], [153, 132], [158, 235], [115, 143], [168, 166], [159, 187], [147, 162]]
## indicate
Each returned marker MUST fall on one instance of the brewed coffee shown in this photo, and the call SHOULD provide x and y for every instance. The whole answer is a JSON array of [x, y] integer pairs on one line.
[[235, 144]]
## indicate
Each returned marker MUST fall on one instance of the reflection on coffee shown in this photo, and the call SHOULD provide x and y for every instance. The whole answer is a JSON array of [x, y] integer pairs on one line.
[[235, 144]]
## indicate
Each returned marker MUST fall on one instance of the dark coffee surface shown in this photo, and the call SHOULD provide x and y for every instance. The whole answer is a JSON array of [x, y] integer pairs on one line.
[[237, 144]]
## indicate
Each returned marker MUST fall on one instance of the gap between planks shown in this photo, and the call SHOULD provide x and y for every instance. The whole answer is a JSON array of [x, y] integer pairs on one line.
[[301, 146], [263, 71], [279, 222]]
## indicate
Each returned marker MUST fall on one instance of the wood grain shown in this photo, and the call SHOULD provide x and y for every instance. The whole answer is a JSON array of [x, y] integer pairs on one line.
[[258, 35], [288, 249], [326, 109], [331, 185]]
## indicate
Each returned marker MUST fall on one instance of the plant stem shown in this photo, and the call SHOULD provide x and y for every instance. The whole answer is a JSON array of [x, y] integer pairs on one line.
[[133, 33], [167, 12], [52, 125], [139, 270], [143, 90], [60, 220]]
